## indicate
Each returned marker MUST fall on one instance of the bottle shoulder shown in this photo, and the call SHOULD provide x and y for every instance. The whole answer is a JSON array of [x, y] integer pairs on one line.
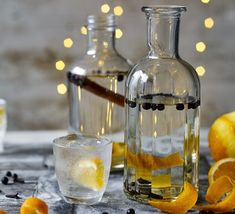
[[165, 66], [163, 75], [101, 64]]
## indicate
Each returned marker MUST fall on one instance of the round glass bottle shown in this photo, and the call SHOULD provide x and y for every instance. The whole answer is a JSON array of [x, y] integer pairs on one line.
[[162, 114], [96, 87]]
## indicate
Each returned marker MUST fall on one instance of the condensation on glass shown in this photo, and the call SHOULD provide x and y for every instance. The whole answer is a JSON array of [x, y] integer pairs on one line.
[[96, 87], [162, 114]]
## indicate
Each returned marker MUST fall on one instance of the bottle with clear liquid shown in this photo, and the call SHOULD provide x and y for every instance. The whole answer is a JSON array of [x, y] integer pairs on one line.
[[162, 114], [96, 85]]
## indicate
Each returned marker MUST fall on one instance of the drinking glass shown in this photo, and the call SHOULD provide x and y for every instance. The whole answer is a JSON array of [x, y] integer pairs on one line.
[[82, 166]]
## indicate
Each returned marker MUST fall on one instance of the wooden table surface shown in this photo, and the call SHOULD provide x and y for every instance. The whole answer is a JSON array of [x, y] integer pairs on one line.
[[29, 154]]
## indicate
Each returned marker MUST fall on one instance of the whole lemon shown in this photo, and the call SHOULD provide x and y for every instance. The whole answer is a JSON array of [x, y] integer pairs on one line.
[[221, 137]]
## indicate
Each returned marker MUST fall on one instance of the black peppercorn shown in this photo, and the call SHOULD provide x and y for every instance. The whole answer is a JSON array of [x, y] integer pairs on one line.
[[15, 176], [154, 106], [8, 174], [180, 106], [120, 78], [130, 211], [161, 107], [146, 106], [5, 180], [131, 104]]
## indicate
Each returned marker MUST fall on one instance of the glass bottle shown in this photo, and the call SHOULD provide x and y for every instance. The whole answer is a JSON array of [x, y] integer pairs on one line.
[[96, 85], [162, 114]]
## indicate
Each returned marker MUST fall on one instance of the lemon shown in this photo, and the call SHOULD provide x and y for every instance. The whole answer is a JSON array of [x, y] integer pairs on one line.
[[184, 202], [221, 137], [34, 205], [89, 173], [223, 167]]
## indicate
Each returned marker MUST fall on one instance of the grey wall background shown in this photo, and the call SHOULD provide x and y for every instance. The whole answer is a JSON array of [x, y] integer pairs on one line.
[[31, 41]]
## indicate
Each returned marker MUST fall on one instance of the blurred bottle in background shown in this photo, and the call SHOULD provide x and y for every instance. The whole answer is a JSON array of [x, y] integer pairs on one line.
[[96, 87]]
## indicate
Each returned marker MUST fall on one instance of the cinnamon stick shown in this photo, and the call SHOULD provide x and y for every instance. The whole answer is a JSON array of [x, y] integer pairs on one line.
[[91, 86]]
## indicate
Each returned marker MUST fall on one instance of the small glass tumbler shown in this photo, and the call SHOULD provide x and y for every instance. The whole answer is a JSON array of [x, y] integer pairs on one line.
[[3, 122], [82, 166]]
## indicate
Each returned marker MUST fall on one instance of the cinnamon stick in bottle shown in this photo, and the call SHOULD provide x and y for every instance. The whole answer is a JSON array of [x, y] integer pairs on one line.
[[91, 86]]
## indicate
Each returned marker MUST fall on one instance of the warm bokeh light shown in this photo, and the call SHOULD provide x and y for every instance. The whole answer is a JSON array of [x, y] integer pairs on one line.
[[61, 88], [209, 22], [118, 33], [68, 43], [200, 70], [118, 11], [200, 46], [79, 93], [105, 44], [100, 63], [83, 30], [81, 128], [205, 1], [105, 8], [59, 65]]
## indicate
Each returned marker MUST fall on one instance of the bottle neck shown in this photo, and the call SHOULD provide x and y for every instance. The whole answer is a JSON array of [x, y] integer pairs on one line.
[[163, 36], [100, 41]]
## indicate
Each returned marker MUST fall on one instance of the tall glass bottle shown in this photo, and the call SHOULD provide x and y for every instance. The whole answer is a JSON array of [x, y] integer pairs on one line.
[[162, 114], [96, 87]]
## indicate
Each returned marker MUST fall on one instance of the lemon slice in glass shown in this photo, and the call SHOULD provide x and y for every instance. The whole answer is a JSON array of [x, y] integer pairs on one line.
[[89, 173]]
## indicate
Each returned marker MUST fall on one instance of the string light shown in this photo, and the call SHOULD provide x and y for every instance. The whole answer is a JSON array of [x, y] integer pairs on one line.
[[209, 22], [105, 44], [100, 63], [200, 70], [118, 11], [200, 46], [61, 89], [205, 1], [81, 128], [105, 8], [68, 43], [83, 30], [59, 65], [119, 33]]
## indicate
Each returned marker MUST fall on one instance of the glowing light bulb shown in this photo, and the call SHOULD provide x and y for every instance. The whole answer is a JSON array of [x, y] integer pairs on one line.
[[61, 88], [68, 43], [118, 11], [105, 8], [209, 22], [200, 70], [119, 33], [200, 46], [59, 65], [83, 30]]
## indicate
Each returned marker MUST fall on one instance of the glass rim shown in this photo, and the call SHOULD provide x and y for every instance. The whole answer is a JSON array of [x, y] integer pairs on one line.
[[164, 9], [71, 137], [101, 21]]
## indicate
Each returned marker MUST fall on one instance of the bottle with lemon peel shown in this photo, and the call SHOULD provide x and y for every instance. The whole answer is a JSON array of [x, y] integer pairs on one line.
[[162, 114]]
